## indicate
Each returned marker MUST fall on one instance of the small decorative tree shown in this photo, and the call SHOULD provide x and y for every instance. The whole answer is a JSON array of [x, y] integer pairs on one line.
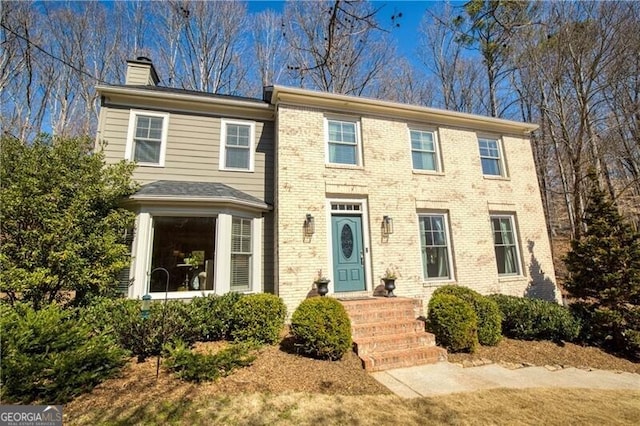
[[604, 268]]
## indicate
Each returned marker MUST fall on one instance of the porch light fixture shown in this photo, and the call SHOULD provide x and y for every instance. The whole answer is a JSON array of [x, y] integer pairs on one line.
[[146, 306], [387, 225], [309, 225]]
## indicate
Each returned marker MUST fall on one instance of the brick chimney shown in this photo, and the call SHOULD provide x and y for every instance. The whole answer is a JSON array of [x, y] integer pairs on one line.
[[141, 72]]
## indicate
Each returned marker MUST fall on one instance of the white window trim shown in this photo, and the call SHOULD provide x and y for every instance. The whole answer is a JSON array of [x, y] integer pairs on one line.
[[356, 121], [502, 161], [143, 251], [452, 273], [436, 145], [223, 144], [129, 149], [516, 236]]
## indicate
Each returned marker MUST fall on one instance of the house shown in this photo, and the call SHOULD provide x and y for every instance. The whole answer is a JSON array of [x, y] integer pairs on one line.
[[266, 195]]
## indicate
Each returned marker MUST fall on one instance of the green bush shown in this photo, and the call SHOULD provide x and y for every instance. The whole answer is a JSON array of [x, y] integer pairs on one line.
[[534, 319], [321, 328], [143, 337], [50, 355], [617, 330], [487, 310], [198, 367], [213, 315], [454, 322], [258, 318]]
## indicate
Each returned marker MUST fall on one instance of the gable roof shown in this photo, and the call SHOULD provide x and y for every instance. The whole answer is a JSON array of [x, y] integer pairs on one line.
[[203, 192]]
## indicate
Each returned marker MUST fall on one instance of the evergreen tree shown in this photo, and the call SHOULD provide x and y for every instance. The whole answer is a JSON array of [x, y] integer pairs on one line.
[[604, 268]]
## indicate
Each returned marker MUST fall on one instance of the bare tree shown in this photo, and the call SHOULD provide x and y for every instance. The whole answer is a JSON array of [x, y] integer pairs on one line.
[[207, 54], [458, 76], [269, 46], [336, 46]]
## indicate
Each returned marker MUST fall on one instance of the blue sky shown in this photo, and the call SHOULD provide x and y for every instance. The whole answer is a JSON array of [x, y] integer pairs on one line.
[[406, 34]]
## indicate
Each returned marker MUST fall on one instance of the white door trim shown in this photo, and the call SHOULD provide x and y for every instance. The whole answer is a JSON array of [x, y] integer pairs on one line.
[[364, 214]]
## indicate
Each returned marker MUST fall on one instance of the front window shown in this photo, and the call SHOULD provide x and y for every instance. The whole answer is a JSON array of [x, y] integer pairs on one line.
[[423, 150], [435, 247], [147, 137], [342, 142], [490, 157], [505, 244], [241, 254], [184, 246], [237, 145]]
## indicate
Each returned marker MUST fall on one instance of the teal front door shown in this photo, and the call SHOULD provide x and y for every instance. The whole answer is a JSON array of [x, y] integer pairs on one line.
[[348, 253]]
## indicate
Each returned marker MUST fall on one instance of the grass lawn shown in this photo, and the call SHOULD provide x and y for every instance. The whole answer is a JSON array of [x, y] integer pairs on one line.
[[500, 406]]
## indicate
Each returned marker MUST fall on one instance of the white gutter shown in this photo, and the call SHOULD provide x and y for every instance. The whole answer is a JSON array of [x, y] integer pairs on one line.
[[283, 94]]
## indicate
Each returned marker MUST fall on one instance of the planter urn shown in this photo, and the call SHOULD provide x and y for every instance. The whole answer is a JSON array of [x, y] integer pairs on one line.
[[322, 286], [389, 286]]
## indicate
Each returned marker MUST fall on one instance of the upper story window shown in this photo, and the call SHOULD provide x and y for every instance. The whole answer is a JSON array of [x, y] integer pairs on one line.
[[434, 242], [342, 142], [424, 152], [491, 157], [505, 242], [237, 145], [147, 137]]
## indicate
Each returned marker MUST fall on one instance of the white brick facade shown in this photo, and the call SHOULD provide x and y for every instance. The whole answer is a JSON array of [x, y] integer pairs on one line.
[[389, 186]]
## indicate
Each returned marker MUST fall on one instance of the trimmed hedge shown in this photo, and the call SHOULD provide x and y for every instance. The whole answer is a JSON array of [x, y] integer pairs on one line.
[[534, 319], [50, 356], [321, 328], [212, 315], [487, 310], [454, 322], [258, 318]]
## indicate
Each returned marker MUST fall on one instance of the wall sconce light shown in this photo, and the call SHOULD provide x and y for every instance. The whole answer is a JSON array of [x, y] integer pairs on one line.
[[309, 225], [387, 225]]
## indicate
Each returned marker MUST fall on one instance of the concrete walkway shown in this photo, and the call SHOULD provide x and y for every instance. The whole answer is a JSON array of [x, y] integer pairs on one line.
[[445, 378]]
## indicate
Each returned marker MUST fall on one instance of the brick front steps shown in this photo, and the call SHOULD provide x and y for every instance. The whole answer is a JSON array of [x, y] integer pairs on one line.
[[386, 333]]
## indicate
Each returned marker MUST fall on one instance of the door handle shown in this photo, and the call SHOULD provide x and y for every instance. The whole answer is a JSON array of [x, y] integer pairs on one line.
[[361, 258]]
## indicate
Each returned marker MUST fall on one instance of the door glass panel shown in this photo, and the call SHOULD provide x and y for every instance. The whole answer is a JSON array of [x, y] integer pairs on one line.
[[346, 241]]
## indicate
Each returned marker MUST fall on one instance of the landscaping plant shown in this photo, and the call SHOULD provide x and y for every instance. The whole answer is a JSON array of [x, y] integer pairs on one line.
[[535, 319], [487, 310], [258, 318], [454, 323], [62, 227], [604, 267], [212, 315], [198, 367], [321, 328], [49, 356]]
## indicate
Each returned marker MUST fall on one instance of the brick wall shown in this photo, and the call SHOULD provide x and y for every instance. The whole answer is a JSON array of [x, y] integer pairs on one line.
[[389, 186]]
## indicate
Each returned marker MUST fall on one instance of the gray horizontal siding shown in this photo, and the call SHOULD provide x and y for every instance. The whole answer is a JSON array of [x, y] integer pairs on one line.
[[193, 152]]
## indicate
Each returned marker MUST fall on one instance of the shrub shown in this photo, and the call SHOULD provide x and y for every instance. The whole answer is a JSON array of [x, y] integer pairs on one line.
[[259, 318], [487, 310], [454, 322], [212, 315], [198, 367], [144, 338], [321, 328], [51, 356], [534, 319]]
